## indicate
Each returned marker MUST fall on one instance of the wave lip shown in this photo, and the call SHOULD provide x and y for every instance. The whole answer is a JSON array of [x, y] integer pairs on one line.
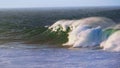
[[94, 22]]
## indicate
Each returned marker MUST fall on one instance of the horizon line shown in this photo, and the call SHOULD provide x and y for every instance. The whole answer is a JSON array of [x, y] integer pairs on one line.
[[58, 7]]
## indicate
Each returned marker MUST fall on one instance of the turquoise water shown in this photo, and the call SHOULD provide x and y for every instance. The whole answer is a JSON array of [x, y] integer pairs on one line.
[[19, 55]]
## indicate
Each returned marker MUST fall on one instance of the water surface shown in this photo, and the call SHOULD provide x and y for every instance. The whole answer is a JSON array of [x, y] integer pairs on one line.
[[19, 55]]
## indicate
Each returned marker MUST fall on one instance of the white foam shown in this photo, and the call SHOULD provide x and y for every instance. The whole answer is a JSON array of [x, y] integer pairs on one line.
[[73, 36], [86, 23], [89, 38], [112, 43], [62, 24]]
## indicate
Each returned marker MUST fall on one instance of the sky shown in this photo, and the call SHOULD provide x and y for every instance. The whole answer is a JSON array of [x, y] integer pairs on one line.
[[56, 3]]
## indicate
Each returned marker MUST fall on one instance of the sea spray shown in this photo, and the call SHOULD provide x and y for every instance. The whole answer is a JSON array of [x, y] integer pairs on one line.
[[94, 22]]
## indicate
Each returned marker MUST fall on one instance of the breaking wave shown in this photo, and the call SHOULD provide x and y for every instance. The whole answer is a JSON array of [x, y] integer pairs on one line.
[[89, 32]]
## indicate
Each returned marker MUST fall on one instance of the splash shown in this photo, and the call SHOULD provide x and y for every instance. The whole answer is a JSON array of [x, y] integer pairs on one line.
[[84, 29], [73, 35]]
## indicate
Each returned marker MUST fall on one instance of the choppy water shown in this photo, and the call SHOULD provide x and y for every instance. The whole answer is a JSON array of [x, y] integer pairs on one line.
[[18, 55]]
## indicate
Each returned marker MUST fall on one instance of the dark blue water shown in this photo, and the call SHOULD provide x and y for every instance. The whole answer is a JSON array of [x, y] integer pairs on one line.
[[18, 55]]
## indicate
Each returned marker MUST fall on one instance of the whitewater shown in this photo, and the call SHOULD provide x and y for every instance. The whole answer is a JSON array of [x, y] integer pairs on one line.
[[90, 32]]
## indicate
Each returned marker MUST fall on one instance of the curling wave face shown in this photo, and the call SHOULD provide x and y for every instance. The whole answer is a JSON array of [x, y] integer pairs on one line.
[[112, 43]]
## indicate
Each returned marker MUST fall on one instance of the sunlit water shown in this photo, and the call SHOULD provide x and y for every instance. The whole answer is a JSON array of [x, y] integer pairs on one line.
[[18, 55]]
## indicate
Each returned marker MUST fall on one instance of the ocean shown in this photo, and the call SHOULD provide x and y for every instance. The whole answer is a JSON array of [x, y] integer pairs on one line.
[[25, 42], [19, 55]]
